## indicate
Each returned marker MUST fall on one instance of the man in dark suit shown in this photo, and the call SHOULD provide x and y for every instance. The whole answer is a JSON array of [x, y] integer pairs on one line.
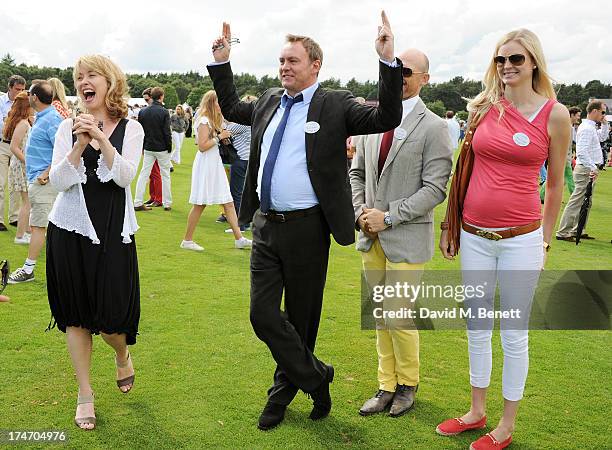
[[296, 193]]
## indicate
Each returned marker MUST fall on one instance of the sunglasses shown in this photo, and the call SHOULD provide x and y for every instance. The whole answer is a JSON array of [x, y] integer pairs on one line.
[[4, 270], [515, 60], [407, 72]]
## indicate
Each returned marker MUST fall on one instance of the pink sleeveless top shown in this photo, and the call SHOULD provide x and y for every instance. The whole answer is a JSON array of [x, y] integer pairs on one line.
[[508, 154]]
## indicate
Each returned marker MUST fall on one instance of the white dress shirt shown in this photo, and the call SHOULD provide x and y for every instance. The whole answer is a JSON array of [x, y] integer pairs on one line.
[[5, 107], [408, 105], [454, 131], [588, 147]]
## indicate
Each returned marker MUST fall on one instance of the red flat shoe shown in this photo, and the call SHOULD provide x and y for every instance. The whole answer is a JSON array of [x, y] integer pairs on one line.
[[488, 442], [451, 427]]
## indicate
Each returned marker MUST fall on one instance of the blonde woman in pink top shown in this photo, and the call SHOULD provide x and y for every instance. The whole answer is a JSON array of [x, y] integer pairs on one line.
[[505, 234]]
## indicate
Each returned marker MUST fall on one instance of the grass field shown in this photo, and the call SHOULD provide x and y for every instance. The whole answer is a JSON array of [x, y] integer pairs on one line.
[[201, 374]]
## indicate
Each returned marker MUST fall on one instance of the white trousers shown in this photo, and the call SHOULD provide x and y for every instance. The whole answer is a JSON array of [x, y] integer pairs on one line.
[[177, 140], [163, 159], [515, 264]]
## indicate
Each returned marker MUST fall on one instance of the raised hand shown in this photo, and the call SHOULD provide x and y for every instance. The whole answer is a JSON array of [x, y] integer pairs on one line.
[[384, 41], [221, 45]]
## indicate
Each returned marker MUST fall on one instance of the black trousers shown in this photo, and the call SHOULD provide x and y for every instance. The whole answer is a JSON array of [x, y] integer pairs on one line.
[[290, 258]]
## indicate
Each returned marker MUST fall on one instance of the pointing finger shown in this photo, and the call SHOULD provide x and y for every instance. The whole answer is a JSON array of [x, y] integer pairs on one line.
[[385, 19]]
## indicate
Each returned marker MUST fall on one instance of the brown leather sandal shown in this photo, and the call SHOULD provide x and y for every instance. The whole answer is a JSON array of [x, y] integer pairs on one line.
[[79, 421], [125, 381]]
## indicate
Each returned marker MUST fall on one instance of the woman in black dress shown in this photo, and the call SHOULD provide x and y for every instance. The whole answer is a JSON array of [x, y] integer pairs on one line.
[[92, 267]]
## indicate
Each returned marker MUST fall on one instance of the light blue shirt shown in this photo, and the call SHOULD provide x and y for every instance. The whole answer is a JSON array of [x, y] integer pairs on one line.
[[5, 107], [291, 186], [39, 148]]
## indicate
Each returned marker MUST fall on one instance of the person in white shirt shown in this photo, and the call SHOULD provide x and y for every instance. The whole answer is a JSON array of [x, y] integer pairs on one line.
[[16, 84], [588, 158], [454, 130]]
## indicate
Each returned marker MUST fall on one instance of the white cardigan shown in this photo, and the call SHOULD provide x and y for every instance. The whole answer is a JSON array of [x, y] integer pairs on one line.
[[70, 210]]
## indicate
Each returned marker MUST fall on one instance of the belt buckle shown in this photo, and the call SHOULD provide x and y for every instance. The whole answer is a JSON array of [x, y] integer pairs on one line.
[[281, 217], [491, 235]]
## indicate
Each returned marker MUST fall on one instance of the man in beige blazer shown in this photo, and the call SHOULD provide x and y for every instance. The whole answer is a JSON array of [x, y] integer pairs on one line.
[[397, 179]]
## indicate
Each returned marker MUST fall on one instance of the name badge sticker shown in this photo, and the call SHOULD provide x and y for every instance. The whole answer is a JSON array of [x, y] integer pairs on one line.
[[521, 139], [311, 127], [400, 134]]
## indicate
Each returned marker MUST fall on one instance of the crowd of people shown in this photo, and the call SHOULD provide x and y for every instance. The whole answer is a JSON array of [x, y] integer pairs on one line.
[[289, 180]]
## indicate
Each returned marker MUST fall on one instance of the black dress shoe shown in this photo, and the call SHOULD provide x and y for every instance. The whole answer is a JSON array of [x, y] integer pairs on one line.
[[272, 415], [13, 224], [2, 227], [321, 398]]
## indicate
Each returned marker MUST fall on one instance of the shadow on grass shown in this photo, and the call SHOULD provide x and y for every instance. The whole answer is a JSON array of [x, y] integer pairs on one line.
[[150, 432], [331, 432]]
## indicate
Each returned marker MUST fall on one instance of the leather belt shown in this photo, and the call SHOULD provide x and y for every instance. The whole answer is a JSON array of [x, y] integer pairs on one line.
[[502, 234], [282, 217]]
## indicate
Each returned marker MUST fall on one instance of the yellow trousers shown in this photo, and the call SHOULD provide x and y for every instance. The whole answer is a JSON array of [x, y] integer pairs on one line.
[[397, 347]]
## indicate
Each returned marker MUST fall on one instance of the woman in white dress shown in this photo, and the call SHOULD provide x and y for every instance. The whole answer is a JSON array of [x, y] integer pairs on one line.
[[209, 184]]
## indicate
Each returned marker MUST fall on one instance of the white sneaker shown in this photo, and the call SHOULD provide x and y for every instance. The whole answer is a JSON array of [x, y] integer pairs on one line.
[[190, 245], [24, 240], [229, 230], [243, 243]]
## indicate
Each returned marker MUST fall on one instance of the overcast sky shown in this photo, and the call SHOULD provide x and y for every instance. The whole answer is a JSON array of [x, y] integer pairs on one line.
[[458, 36]]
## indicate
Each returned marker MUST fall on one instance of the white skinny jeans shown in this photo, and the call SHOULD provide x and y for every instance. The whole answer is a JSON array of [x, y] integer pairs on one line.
[[515, 264]]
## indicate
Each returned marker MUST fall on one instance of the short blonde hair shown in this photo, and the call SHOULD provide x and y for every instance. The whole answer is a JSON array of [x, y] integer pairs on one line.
[[117, 96], [494, 87], [312, 48]]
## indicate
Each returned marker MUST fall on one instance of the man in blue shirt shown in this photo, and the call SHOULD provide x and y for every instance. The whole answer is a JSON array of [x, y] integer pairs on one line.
[[39, 153], [297, 194]]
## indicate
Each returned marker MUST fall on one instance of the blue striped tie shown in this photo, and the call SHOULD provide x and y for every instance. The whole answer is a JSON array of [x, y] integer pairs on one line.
[[266, 177]]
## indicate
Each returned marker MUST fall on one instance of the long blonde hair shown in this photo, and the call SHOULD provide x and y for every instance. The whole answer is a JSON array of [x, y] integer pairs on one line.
[[494, 87], [59, 91], [117, 96], [209, 107]]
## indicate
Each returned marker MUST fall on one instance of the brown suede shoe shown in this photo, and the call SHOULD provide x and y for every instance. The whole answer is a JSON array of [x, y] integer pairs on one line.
[[403, 401], [142, 208], [378, 403]]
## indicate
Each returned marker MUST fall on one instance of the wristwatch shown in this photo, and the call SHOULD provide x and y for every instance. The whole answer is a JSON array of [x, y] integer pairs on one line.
[[388, 219], [546, 246], [444, 226]]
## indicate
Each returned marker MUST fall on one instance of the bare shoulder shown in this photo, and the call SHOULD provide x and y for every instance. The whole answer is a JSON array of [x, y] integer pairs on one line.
[[22, 125], [559, 116]]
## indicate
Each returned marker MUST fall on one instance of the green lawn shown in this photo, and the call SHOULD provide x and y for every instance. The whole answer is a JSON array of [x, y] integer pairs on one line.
[[202, 374]]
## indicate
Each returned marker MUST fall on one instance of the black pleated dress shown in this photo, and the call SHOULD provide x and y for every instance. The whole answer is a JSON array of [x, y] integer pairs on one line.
[[96, 286]]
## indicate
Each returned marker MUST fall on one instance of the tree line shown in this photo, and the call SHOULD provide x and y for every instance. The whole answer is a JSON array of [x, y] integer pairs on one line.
[[190, 86]]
